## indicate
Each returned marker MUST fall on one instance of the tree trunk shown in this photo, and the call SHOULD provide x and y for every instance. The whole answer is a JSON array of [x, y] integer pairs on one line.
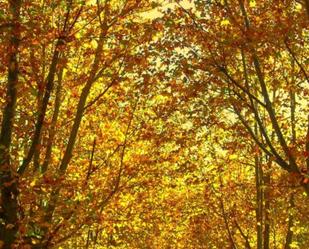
[[259, 200], [52, 130], [307, 7], [289, 234], [8, 180], [267, 208]]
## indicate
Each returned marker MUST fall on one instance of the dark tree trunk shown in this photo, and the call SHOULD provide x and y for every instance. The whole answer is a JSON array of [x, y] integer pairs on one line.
[[259, 198], [267, 209], [8, 179], [289, 234]]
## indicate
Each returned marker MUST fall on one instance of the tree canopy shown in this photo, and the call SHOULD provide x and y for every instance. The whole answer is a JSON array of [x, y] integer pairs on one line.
[[154, 124]]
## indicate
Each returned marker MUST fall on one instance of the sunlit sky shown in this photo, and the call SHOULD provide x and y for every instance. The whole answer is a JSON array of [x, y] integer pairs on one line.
[[169, 4], [165, 4]]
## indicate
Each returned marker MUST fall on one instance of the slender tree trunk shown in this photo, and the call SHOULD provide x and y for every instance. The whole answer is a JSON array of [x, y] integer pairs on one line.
[[36, 157], [42, 112], [52, 130], [267, 207], [88, 239], [8, 179], [245, 237], [266, 182], [307, 7], [80, 106], [289, 234], [259, 199], [226, 223]]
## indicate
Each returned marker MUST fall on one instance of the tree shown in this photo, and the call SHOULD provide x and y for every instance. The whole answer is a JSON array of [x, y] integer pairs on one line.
[[107, 35], [243, 66]]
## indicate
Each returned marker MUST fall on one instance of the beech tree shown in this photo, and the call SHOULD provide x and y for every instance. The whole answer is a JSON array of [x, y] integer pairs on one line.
[[48, 43], [243, 55], [253, 73]]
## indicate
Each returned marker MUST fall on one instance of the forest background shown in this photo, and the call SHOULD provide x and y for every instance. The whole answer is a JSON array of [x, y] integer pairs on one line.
[[154, 124]]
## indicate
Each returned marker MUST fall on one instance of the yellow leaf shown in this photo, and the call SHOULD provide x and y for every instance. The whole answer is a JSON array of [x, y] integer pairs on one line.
[[32, 184], [224, 22], [93, 44], [78, 36], [298, 7], [252, 3], [232, 157]]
